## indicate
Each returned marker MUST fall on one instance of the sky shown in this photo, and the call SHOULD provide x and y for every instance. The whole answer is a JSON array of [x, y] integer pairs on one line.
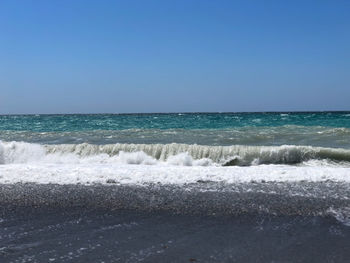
[[131, 56]]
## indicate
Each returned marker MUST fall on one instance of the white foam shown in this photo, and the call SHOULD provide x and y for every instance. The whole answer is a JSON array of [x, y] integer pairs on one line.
[[134, 158], [185, 159], [20, 152], [84, 163], [87, 173]]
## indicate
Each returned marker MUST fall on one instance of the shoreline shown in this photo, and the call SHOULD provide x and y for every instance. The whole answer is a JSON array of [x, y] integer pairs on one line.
[[206, 198]]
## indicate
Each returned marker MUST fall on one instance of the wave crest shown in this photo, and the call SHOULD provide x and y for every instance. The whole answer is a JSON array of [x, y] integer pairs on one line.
[[176, 154]]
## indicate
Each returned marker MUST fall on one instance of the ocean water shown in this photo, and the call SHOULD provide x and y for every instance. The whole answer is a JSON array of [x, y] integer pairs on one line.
[[327, 129], [281, 180]]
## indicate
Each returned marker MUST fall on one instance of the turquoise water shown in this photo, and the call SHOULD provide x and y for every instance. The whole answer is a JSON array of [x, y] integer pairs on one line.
[[88, 122], [325, 129]]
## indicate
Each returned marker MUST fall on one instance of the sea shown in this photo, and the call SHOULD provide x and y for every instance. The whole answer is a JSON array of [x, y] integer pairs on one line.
[[175, 187]]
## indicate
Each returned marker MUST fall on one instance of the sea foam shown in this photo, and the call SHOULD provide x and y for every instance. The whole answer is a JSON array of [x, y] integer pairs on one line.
[[169, 163], [93, 172]]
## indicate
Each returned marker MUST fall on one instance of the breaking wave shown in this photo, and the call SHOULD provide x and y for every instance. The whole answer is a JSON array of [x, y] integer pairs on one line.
[[175, 154]]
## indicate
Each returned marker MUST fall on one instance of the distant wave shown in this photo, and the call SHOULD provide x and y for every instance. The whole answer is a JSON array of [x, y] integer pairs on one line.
[[176, 154]]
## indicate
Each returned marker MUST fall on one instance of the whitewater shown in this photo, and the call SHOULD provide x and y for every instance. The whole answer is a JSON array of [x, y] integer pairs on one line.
[[169, 164]]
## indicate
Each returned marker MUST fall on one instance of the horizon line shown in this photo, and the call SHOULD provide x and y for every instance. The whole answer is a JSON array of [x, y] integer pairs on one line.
[[184, 112]]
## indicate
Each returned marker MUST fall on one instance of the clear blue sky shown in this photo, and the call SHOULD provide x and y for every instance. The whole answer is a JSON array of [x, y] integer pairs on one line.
[[173, 56]]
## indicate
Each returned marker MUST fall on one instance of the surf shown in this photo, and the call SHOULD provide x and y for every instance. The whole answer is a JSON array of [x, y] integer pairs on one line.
[[185, 154]]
